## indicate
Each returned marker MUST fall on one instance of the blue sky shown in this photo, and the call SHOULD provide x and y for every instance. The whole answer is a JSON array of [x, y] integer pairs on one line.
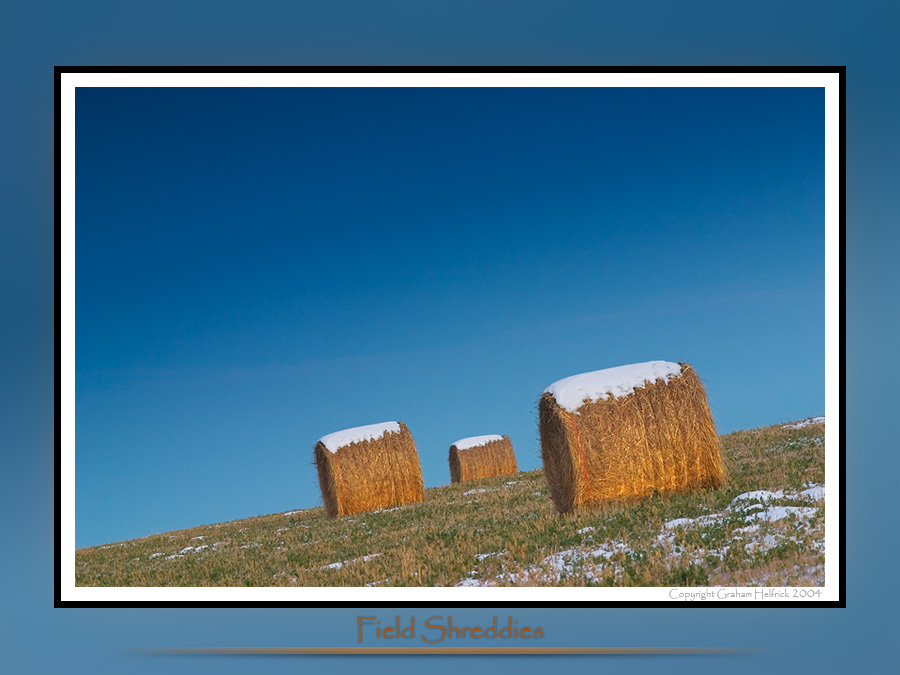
[[256, 268]]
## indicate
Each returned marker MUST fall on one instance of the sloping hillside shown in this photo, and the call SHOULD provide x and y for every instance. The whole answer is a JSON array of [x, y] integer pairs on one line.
[[765, 528]]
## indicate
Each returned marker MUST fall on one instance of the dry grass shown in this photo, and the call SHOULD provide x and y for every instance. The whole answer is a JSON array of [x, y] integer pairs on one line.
[[370, 474], [495, 458], [659, 439]]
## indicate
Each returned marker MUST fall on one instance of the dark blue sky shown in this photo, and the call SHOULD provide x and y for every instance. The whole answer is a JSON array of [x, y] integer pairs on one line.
[[256, 268]]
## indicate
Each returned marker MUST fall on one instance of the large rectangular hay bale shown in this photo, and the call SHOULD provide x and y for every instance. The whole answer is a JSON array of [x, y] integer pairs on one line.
[[481, 457], [370, 467], [627, 432]]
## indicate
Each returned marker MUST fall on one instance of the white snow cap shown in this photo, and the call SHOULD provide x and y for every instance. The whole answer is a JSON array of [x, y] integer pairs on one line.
[[475, 441], [371, 432], [571, 392]]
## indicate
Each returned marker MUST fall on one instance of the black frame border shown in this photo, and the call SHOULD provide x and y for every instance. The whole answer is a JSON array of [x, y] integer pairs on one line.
[[57, 192]]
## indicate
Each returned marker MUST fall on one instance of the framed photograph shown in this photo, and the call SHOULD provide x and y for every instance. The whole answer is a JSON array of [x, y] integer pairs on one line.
[[450, 336]]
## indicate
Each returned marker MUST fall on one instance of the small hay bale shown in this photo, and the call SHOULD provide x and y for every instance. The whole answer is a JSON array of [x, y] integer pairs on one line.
[[627, 432], [481, 457], [370, 467]]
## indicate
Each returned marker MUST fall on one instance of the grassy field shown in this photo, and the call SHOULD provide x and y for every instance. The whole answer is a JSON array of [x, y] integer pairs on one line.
[[766, 528]]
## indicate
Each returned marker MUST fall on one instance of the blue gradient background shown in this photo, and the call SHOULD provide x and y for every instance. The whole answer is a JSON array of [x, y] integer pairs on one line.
[[35, 638]]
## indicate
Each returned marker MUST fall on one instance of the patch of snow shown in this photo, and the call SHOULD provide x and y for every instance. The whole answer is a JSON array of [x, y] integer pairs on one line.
[[585, 530], [482, 556], [475, 582], [678, 522], [805, 423], [339, 565], [750, 529], [572, 392], [552, 568], [604, 552], [155, 555], [200, 537], [472, 492], [290, 513], [371, 432], [476, 441], [691, 522], [758, 495], [747, 507], [769, 541], [187, 549], [775, 513], [512, 482], [814, 493], [563, 560]]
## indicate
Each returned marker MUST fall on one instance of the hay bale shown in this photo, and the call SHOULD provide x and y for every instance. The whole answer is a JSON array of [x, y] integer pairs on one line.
[[480, 457], [370, 467], [627, 432]]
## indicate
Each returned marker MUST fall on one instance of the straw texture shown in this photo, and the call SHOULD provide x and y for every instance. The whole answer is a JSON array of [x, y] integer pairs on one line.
[[495, 458], [370, 474], [661, 438]]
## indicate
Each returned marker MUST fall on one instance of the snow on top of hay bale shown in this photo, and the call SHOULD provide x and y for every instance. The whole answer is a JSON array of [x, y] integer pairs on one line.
[[337, 440], [572, 392], [475, 441]]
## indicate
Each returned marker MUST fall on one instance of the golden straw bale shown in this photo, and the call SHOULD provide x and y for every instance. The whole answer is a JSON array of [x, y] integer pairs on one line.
[[480, 457], [368, 468], [634, 439]]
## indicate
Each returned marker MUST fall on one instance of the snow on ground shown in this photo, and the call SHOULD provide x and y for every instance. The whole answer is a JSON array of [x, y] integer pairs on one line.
[[757, 537], [190, 549], [567, 563], [814, 493], [187, 549], [752, 538], [572, 392], [339, 565], [475, 441], [692, 522], [757, 496], [472, 492], [775, 513], [337, 440], [470, 581], [805, 423]]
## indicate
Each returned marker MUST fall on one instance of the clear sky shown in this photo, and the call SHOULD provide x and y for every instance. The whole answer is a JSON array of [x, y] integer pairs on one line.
[[256, 268]]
